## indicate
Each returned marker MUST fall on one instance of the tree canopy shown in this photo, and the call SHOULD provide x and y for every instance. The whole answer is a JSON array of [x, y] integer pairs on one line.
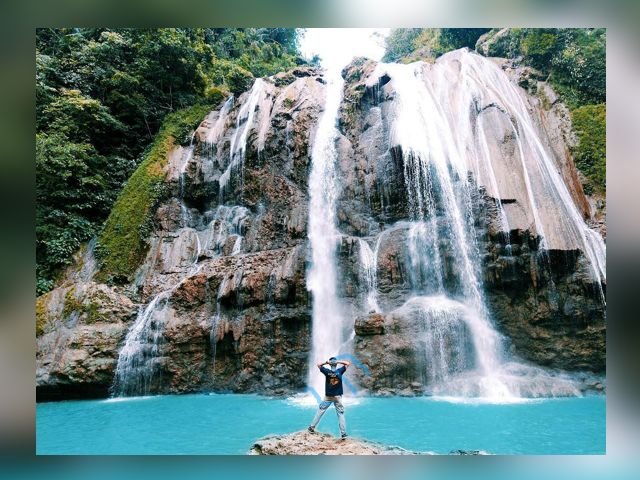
[[101, 98]]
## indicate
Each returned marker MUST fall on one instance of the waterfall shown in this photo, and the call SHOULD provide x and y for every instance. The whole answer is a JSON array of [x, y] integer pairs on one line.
[[328, 323], [440, 144], [186, 158], [368, 274], [227, 222], [137, 362], [441, 133], [216, 131], [138, 359], [436, 180], [424, 255], [554, 210], [239, 141], [442, 328], [487, 166]]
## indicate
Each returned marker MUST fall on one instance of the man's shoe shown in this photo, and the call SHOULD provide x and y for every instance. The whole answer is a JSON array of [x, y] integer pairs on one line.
[[343, 436], [311, 430]]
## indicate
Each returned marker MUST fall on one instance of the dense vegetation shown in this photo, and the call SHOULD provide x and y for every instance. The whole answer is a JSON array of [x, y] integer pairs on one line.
[[410, 44], [573, 60], [589, 122], [102, 96]]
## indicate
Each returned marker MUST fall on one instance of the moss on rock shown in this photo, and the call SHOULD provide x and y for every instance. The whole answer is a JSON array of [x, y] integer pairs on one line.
[[589, 123], [71, 303], [122, 245], [42, 316]]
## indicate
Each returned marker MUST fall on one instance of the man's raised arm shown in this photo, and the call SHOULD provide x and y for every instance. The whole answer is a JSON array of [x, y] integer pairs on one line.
[[346, 363], [322, 363]]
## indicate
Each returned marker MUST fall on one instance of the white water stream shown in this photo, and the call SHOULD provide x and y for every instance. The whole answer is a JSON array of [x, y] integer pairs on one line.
[[440, 143], [139, 358], [327, 315]]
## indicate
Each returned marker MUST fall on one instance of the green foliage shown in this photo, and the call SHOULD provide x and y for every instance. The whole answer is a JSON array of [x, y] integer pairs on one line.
[[410, 44], [539, 46], [233, 76], [215, 95], [580, 65], [122, 243], [589, 123], [573, 58], [400, 43], [43, 285], [42, 317], [75, 188], [92, 313], [455, 38], [101, 97], [261, 51], [71, 303]]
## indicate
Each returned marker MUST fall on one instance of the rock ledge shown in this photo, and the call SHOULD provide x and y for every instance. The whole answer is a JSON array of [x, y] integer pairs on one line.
[[305, 443]]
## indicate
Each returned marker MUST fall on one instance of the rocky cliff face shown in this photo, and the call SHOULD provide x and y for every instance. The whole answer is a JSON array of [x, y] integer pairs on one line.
[[221, 301]]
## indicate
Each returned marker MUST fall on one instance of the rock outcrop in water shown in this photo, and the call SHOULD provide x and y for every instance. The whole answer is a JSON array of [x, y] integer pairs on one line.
[[222, 298], [305, 443]]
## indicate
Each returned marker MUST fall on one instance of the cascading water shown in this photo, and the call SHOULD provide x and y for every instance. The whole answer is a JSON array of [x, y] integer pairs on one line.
[[216, 131], [244, 123], [328, 322], [553, 207], [185, 163], [483, 155], [138, 360], [441, 134], [424, 254], [228, 221], [435, 177], [440, 143], [442, 326], [368, 274]]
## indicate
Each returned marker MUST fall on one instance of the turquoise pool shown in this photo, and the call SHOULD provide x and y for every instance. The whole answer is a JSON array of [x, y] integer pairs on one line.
[[228, 424]]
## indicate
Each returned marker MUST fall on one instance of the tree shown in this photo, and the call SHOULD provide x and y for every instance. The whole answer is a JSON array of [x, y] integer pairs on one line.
[[101, 97]]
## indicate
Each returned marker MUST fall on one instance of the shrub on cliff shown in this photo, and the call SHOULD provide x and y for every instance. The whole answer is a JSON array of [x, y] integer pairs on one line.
[[589, 123], [411, 44], [573, 58]]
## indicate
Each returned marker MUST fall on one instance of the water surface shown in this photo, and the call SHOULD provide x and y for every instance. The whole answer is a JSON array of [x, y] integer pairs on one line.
[[229, 424]]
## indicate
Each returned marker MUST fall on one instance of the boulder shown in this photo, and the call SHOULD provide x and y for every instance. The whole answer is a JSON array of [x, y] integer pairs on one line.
[[306, 443], [77, 349], [370, 325]]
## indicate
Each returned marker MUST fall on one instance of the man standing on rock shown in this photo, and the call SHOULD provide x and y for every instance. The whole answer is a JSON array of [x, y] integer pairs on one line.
[[333, 393]]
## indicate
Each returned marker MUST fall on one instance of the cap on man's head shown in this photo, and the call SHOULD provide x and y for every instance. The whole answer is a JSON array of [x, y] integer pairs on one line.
[[332, 360]]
